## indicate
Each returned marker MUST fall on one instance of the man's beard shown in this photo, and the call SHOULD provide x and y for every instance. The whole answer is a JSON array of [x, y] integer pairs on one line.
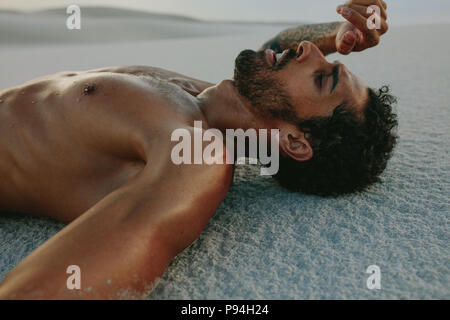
[[256, 81]]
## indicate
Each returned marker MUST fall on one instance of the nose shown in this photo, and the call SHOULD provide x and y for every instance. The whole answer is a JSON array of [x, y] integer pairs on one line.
[[308, 50], [344, 72]]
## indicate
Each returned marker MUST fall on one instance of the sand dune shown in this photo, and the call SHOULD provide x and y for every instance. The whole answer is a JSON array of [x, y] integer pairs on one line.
[[102, 25], [109, 12]]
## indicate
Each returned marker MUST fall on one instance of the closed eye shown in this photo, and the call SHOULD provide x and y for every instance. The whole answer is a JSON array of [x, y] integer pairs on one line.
[[318, 80], [335, 75]]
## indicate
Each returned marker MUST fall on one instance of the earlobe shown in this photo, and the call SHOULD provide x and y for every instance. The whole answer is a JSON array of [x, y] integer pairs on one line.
[[296, 147]]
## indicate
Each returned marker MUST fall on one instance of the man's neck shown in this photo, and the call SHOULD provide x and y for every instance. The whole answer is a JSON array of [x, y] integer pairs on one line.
[[224, 108]]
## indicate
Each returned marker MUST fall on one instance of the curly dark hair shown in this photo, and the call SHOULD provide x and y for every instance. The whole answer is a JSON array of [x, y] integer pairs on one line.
[[349, 153]]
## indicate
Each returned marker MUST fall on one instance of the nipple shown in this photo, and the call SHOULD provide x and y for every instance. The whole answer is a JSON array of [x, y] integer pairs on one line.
[[88, 88]]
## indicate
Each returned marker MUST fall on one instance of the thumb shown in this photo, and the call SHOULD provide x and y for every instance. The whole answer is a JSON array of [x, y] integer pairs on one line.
[[346, 43]]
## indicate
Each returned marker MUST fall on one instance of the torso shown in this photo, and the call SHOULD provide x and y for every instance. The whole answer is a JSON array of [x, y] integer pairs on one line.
[[63, 149]]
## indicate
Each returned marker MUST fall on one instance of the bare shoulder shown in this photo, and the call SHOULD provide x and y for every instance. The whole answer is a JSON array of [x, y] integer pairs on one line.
[[189, 84]]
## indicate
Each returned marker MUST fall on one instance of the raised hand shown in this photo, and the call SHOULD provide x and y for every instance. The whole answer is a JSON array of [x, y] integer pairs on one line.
[[355, 35]]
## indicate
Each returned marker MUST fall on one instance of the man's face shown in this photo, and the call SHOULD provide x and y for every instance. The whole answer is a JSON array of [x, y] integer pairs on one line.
[[299, 85]]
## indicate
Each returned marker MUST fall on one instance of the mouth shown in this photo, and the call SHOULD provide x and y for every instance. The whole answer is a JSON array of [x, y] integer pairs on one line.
[[274, 58]]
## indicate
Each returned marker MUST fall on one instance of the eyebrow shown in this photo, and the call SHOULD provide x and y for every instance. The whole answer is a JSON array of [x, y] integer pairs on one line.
[[335, 78]]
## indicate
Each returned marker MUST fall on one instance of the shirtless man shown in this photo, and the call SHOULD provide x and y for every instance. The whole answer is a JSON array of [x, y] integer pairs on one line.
[[93, 150]]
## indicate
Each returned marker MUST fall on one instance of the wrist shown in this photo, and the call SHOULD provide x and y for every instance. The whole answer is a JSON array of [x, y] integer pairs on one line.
[[328, 45]]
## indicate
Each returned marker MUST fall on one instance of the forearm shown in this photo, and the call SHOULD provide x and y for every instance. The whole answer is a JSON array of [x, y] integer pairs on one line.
[[322, 35]]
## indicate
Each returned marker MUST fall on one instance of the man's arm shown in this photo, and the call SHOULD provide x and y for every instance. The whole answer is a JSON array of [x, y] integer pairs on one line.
[[323, 35], [353, 35], [126, 241]]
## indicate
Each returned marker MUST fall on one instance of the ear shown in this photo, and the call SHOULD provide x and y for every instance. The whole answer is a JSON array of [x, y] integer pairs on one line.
[[294, 144]]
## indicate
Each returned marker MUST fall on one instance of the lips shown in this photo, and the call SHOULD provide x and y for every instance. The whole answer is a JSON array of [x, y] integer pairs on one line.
[[271, 57]]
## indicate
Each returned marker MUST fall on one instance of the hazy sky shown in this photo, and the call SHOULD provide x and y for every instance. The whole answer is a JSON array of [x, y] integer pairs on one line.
[[400, 11]]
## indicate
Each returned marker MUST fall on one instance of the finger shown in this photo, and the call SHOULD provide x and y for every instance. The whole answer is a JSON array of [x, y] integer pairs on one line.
[[384, 27], [360, 22], [347, 42], [361, 9], [383, 8], [380, 3], [366, 3]]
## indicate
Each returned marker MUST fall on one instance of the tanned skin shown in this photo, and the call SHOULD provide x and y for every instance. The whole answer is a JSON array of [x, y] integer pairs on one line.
[[100, 162], [92, 149], [342, 37]]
